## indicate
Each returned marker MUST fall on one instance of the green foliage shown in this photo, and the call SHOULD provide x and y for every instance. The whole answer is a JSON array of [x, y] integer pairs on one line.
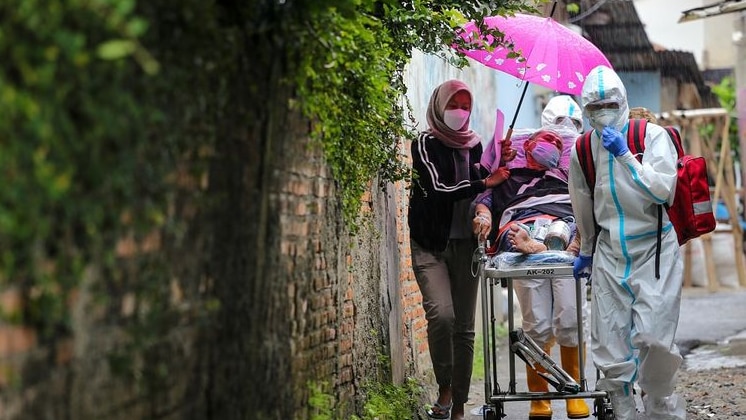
[[94, 138], [320, 401], [383, 401], [726, 93], [69, 146], [351, 103], [477, 371], [391, 402], [350, 78]]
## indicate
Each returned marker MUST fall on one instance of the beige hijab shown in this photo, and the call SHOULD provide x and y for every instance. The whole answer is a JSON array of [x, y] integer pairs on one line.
[[465, 139]]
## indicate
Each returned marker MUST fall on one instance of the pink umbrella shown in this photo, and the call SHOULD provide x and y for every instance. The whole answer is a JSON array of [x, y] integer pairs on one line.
[[543, 52], [549, 54]]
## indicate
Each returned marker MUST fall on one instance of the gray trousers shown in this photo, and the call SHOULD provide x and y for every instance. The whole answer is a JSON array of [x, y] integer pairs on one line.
[[449, 297]]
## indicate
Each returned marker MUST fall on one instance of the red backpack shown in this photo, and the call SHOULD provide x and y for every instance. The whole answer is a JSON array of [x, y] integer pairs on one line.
[[691, 212]]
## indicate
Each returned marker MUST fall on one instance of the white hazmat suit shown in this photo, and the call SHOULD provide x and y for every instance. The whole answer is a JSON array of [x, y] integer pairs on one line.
[[548, 306], [633, 315], [559, 108]]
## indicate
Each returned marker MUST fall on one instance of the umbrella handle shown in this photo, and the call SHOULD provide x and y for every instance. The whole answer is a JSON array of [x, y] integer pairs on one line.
[[508, 135], [503, 141]]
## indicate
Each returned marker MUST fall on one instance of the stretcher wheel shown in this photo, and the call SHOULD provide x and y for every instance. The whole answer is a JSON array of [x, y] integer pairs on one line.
[[493, 412], [603, 409]]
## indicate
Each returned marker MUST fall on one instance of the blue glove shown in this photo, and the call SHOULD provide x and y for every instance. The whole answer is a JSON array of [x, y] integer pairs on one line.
[[582, 267], [614, 141]]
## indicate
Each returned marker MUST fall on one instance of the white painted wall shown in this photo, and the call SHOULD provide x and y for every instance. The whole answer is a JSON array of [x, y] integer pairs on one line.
[[709, 39], [490, 88], [720, 51]]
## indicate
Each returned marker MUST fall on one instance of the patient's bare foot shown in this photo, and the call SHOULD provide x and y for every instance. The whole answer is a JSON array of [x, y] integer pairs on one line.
[[523, 243]]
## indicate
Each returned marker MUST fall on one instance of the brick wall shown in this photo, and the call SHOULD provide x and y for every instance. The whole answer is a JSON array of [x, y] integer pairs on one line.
[[364, 300], [346, 301], [413, 314]]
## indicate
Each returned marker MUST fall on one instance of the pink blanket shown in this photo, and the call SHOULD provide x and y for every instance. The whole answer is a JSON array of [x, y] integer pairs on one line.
[[492, 150]]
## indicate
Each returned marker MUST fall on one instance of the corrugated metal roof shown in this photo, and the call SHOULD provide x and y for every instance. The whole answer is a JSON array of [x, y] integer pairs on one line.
[[615, 28], [682, 66]]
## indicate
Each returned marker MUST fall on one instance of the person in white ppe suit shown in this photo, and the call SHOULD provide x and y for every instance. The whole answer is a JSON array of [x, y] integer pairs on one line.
[[634, 315], [548, 306], [562, 112]]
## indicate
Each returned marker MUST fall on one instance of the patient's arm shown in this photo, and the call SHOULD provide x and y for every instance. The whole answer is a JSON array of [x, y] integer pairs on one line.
[[522, 242], [482, 221], [574, 246]]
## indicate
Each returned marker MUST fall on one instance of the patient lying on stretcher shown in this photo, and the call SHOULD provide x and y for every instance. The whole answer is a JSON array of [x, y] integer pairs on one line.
[[534, 225], [530, 212]]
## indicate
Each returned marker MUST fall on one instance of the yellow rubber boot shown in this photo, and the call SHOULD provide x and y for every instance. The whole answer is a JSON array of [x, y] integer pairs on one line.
[[540, 409], [576, 408]]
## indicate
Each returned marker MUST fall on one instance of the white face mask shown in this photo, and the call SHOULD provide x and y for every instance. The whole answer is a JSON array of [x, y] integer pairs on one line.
[[455, 118], [603, 117]]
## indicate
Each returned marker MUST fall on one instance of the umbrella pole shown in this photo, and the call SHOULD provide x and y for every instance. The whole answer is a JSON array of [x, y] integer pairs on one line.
[[525, 87], [515, 115]]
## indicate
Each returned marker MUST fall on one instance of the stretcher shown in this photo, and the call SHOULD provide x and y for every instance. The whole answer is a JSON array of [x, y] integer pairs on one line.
[[493, 273]]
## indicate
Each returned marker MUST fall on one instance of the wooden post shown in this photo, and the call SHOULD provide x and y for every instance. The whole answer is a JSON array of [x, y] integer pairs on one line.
[[740, 73], [688, 264], [730, 191]]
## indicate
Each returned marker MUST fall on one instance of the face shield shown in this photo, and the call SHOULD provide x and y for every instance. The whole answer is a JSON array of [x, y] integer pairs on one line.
[[562, 111], [569, 124], [605, 99]]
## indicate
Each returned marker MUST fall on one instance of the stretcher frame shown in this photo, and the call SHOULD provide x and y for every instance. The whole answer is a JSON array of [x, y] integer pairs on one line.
[[495, 398]]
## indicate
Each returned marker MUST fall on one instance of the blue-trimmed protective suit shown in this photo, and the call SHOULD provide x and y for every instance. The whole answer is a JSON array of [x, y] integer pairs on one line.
[[633, 315]]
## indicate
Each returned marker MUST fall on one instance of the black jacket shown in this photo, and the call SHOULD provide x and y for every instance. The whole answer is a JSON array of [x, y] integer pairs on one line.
[[434, 190]]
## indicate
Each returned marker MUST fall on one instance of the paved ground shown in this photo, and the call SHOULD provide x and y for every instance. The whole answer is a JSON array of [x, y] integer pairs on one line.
[[711, 332]]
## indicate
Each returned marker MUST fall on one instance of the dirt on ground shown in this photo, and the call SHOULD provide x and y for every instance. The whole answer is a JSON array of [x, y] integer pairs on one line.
[[714, 393], [711, 394]]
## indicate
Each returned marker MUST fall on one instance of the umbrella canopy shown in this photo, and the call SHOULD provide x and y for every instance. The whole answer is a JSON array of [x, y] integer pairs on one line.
[[549, 54]]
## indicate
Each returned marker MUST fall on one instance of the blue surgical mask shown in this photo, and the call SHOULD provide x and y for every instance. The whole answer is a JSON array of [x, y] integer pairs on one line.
[[546, 155]]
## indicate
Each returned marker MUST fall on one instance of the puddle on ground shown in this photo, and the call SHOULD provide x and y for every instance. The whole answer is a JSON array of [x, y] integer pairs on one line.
[[727, 354]]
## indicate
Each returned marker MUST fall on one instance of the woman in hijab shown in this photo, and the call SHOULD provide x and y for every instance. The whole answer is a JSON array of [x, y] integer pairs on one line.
[[447, 178]]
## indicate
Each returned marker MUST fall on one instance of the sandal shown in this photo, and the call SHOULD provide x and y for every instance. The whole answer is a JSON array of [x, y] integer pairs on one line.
[[439, 411]]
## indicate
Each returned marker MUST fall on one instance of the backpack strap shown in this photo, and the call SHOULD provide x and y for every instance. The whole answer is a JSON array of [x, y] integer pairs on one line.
[[585, 159], [676, 139], [635, 142], [636, 137]]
